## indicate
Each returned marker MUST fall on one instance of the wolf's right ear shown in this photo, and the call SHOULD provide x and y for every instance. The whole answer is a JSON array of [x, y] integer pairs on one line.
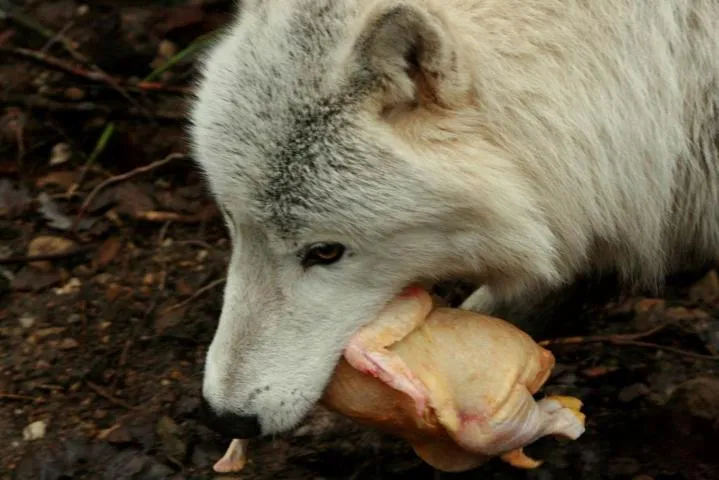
[[411, 54]]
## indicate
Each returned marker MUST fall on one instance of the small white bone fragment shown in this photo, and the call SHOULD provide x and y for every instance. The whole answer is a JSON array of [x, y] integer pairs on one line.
[[234, 458]]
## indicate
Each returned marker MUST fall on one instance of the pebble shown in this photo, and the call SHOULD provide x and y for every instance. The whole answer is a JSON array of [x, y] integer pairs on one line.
[[34, 431], [26, 322], [696, 403]]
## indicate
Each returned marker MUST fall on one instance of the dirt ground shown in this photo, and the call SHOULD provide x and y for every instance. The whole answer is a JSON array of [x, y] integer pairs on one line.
[[112, 259]]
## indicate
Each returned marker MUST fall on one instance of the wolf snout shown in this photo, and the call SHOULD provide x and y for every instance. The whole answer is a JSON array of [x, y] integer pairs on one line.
[[229, 424]]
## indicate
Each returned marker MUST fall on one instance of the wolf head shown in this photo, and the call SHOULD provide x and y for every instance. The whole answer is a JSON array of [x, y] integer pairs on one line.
[[336, 137]]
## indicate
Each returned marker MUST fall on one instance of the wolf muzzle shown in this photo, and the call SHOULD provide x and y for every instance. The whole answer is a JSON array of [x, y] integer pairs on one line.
[[230, 424]]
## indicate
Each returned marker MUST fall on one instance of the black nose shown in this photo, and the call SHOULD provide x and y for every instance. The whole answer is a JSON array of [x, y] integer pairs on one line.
[[229, 424]]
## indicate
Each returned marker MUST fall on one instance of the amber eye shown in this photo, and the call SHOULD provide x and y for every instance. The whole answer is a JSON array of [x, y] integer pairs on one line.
[[323, 254]]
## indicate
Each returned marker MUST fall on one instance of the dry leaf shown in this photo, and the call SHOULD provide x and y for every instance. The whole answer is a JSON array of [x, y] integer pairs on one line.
[[67, 344], [707, 289], [63, 179], [648, 305], [13, 200], [48, 245], [131, 198], [107, 252], [56, 218], [32, 279]]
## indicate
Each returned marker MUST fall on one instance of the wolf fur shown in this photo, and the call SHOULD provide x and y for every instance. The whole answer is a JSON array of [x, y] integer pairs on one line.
[[516, 143]]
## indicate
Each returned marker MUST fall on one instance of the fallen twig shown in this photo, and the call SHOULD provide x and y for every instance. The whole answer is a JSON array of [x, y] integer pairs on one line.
[[91, 75], [631, 339], [161, 87], [162, 217], [14, 396], [46, 257], [196, 295], [605, 338], [70, 47], [100, 391], [38, 101], [60, 64], [667, 348], [60, 34], [28, 22], [121, 178]]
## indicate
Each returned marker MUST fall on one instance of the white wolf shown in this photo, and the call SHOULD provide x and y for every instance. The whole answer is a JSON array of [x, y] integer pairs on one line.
[[357, 146]]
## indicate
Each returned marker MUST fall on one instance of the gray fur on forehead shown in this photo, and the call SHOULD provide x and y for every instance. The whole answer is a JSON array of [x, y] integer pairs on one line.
[[287, 126], [309, 169]]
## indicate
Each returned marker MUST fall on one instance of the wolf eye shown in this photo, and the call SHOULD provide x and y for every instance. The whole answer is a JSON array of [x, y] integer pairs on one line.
[[323, 254]]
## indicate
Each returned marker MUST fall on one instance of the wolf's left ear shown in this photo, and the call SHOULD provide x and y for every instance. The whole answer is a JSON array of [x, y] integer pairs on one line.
[[412, 54]]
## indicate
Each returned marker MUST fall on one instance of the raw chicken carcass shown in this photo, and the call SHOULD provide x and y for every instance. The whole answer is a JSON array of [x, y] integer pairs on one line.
[[457, 385]]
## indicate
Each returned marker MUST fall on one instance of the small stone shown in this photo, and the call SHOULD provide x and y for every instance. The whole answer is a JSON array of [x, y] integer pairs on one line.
[[695, 406], [26, 322], [632, 392], [34, 431], [623, 466], [60, 154]]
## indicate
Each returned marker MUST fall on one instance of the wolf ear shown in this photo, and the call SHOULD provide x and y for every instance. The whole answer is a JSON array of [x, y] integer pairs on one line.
[[411, 52]]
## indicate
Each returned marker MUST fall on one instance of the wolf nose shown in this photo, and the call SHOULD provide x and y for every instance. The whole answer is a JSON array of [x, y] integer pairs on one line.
[[231, 425]]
